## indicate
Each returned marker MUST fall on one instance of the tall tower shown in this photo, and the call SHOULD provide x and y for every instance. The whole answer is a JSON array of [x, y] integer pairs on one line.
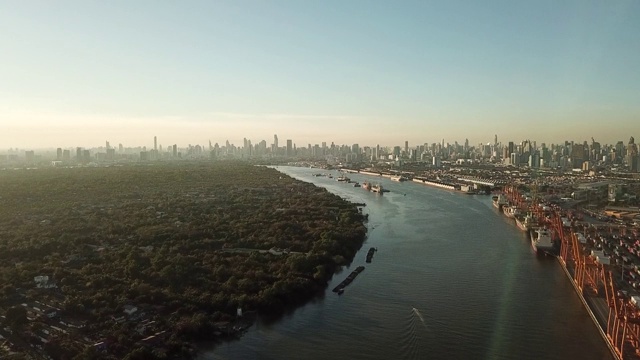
[[289, 148], [155, 143]]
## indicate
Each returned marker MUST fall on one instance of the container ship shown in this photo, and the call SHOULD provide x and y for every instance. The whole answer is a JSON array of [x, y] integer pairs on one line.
[[525, 223], [541, 242], [500, 201], [511, 211]]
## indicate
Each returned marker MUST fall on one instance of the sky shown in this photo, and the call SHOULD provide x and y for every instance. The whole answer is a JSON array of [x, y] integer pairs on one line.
[[79, 73]]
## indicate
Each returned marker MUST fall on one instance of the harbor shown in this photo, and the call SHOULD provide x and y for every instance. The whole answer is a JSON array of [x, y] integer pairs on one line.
[[591, 255], [584, 253], [437, 246]]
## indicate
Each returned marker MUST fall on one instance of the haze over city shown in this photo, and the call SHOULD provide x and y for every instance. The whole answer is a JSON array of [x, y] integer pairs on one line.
[[77, 73]]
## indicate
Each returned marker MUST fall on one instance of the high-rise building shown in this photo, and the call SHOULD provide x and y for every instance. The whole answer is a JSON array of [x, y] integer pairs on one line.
[[406, 147], [289, 147], [577, 156], [155, 143], [534, 160], [66, 155], [515, 159], [59, 154], [30, 156], [175, 150], [79, 154]]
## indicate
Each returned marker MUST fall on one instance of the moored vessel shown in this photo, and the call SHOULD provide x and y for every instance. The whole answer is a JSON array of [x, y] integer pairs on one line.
[[500, 201], [525, 223], [511, 211], [541, 242]]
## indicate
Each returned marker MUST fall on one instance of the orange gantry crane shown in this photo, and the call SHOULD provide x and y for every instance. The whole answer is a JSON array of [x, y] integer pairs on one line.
[[591, 277]]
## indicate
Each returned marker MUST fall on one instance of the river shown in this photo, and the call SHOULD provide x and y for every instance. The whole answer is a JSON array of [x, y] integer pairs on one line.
[[452, 279]]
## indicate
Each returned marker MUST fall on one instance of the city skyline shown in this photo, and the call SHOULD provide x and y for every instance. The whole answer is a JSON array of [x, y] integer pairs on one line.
[[154, 142], [75, 73]]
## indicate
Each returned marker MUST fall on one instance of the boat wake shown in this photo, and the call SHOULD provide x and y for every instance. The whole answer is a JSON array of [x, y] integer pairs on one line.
[[412, 337], [417, 312]]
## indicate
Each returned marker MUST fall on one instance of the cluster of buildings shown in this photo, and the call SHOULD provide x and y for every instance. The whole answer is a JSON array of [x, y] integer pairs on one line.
[[569, 155]]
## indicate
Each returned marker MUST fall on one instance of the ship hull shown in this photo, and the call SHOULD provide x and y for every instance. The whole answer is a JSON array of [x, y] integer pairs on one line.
[[541, 250], [521, 226]]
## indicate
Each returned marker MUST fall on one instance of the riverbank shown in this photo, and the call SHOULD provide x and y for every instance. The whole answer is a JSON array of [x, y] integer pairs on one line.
[[515, 306], [172, 253]]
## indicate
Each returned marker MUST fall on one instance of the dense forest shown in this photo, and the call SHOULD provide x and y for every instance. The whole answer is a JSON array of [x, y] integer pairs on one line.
[[140, 261]]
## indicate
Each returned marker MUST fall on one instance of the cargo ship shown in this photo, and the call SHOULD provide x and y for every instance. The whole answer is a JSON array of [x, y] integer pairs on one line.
[[511, 211], [541, 242], [500, 201], [377, 189], [525, 223]]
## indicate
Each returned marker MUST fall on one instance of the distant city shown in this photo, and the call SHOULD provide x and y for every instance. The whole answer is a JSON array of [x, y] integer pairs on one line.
[[585, 155]]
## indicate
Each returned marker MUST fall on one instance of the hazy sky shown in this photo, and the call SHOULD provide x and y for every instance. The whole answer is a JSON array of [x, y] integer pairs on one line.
[[82, 72]]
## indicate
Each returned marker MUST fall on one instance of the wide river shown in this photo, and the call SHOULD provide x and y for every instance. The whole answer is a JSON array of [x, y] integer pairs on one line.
[[452, 279]]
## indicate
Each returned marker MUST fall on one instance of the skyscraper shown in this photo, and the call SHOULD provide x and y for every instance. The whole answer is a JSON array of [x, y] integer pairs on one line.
[[155, 143], [289, 147]]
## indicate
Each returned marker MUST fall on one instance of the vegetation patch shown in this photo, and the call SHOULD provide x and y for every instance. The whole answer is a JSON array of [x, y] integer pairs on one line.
[[140, 261]]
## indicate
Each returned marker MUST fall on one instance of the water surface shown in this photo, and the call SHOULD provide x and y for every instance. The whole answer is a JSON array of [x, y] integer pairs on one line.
[[452, 279]]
